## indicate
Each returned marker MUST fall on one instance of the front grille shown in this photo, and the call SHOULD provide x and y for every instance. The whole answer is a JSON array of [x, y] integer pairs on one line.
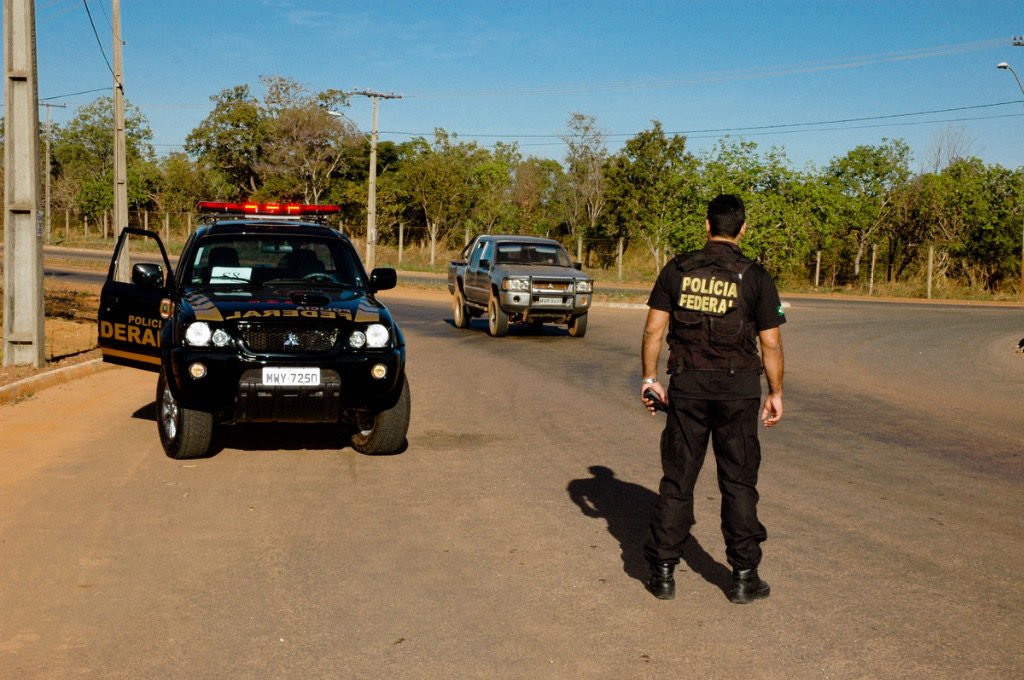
[[297, 340], [551, 286]]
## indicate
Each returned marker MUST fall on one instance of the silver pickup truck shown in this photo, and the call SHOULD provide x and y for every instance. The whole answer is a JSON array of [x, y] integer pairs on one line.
[[519, 278]]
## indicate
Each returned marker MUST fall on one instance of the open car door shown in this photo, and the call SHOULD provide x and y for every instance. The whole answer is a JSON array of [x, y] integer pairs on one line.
[[129, 315]]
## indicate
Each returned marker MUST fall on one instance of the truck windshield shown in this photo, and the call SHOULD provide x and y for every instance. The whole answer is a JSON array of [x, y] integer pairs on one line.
[[532, 253], [251, 260]]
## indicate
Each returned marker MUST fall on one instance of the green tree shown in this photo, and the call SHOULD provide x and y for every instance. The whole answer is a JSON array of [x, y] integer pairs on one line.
[[491, 189], [229, 141], [437, 177], [83, 152], [584, 189], [650, 187], [778, 226], [183, 184], [304, 143], [535, 195], [866, 178]]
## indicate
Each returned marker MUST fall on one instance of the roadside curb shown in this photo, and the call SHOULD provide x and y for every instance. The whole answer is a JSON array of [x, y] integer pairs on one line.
[[29, 386]]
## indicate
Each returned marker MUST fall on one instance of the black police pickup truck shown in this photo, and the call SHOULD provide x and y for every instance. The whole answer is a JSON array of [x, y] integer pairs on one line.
[[269, 316]]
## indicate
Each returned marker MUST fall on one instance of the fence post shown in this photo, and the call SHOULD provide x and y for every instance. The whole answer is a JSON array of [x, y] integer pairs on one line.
[[619, 258], [817, 269], [465, 242], [167, 226], [931, 257], [67, 225], [85, 223], [104, 225], [401, 240], [871, 283], [189, 225], [579, 249], [145, 220]]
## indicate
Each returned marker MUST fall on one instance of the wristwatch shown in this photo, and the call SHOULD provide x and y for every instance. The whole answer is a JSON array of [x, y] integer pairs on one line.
[[650, 381]]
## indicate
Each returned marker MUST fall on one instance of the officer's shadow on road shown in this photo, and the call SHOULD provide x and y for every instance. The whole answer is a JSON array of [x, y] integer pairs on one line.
[[627, 508]]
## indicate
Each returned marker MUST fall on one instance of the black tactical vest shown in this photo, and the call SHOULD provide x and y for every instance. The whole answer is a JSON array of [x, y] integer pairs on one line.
[[711, 329]]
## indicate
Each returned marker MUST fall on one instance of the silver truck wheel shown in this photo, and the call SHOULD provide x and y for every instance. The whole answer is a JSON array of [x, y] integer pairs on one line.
[[497, 319], [384, 433], [184, 432], [578, 326], [460, 314]]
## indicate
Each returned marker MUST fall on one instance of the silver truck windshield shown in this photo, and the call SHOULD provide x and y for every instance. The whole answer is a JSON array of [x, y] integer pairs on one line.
[[533, 254]]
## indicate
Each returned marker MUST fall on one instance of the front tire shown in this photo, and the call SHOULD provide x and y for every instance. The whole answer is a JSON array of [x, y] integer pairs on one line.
[[578, 326], [185, 433], [460, 313], [497, 319], [383, 433]]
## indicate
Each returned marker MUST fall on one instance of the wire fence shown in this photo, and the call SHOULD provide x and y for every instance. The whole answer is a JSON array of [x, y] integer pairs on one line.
[[409, 246]]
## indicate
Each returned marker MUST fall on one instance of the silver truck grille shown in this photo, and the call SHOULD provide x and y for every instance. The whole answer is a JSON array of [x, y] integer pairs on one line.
[[299, 341], [551, 286]]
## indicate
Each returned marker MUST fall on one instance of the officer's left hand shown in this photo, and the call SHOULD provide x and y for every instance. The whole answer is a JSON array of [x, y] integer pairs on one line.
[[772, 411]]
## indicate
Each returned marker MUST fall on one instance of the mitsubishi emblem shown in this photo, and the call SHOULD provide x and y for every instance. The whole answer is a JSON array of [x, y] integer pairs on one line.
[[291, 340]]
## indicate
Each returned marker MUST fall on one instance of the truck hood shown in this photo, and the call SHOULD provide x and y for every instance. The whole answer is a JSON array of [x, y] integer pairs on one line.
[[540, 271], [281, 304]]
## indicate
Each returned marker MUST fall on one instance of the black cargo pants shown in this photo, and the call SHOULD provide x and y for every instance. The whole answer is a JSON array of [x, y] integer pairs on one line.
[[731, 426]]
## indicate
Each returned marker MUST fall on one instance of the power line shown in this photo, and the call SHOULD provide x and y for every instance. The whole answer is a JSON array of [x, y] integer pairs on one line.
[[753, 128], [74, 94], [717, 76], [96, 33]]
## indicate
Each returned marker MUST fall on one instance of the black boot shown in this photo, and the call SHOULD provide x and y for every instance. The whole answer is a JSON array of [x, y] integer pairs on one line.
[[661, 583], [747, 586]]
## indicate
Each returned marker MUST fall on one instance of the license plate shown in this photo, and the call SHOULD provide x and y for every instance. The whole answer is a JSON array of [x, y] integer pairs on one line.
[[549, 301], [290, 376]]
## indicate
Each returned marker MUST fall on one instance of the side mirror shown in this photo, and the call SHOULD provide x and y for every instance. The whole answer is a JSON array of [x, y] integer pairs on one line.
[[383, 278], [148, 275], [578, 266]]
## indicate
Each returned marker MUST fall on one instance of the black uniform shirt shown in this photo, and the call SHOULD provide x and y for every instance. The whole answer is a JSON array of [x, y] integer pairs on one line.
[[761, 299]]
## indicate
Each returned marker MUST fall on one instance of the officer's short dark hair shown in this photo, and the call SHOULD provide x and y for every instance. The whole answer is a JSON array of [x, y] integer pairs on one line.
[[726, 214]]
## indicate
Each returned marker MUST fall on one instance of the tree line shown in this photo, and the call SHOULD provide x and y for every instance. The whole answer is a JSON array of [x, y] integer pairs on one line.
[[961, 217]]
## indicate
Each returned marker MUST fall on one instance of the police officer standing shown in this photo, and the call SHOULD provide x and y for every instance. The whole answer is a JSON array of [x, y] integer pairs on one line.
[[716, 305]]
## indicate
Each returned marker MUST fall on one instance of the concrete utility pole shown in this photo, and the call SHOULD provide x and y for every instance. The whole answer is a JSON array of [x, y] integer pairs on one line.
[[24, 339], [371, 199], [120, 154]]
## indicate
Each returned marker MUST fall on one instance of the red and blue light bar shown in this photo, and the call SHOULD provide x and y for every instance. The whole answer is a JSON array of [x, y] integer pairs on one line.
[[251, 208]]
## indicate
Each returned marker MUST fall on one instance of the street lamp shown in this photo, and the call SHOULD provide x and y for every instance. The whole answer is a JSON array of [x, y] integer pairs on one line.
[[1006, 67]]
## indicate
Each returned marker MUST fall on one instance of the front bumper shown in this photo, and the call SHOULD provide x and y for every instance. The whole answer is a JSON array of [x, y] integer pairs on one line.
[[232, 386], [545, 304]]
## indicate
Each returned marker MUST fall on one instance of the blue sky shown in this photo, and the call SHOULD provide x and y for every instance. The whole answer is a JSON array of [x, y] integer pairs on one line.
[[515, 71]]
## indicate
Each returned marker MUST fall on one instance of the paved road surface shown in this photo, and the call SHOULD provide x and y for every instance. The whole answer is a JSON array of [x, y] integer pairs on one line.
[[505, 542]]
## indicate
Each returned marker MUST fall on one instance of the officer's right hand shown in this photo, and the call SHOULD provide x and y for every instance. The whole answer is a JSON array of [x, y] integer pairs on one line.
[[657, 388]]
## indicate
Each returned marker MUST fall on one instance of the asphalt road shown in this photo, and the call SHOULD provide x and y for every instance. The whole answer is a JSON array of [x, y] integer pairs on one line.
[[505, 542]]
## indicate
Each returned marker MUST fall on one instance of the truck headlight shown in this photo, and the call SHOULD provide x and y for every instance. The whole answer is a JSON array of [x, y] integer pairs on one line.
[[198, 334], [221, 337], [357, 340], [522, 285], [377, 335], [584, 287]]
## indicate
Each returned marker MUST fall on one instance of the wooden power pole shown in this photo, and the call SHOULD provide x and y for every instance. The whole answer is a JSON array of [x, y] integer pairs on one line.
[[24, 338]]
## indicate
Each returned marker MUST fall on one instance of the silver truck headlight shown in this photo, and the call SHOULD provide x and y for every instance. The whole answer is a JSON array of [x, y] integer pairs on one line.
[[198, 334], [520, 285], [377, 335], [584, 287]]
